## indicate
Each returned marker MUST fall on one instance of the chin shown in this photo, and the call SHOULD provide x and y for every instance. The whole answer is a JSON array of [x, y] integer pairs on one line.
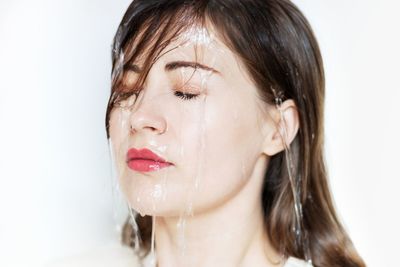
[[157, 211], [150, 206]]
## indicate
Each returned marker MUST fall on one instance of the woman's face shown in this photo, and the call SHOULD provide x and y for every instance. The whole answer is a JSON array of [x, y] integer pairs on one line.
[[200, 112]]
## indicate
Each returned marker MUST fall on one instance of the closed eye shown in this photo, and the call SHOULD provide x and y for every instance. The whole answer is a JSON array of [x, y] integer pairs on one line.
[[185, 96], [126, 99]]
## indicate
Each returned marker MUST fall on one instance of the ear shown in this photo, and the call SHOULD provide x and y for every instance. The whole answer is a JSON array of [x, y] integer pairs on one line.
[[282, 129]]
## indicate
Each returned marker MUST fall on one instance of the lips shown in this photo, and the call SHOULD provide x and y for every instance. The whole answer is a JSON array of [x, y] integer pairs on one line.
[[144, 160]]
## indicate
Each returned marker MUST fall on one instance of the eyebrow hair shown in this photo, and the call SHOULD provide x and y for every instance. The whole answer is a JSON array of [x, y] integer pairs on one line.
[[188, 64], [173, 66], [133, 67]]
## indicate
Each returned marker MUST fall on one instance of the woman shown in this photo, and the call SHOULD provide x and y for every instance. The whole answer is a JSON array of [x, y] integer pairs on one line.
[[216, 125]]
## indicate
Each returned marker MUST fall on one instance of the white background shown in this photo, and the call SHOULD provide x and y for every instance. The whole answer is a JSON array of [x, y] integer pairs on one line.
[[57, 194]]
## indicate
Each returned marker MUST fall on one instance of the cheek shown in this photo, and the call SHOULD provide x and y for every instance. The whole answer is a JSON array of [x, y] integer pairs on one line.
[[224, 148], [118, 126], [119, 137], [233, 132]]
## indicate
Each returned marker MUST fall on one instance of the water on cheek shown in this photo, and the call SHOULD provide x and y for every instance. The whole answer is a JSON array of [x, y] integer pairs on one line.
[[119, 143], [193, 113], [196, 156], [119, 130]]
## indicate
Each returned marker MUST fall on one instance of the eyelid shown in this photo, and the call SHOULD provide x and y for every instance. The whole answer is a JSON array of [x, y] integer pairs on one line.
[[189, 89]]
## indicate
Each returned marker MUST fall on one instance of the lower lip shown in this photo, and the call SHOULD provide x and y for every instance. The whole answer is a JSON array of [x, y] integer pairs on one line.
[[145, 165]]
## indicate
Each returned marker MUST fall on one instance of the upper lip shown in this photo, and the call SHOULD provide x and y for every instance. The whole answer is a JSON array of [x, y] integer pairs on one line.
[[144, 153]]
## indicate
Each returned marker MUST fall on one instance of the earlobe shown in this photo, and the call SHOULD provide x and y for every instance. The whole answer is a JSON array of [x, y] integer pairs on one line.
[[284, 126]]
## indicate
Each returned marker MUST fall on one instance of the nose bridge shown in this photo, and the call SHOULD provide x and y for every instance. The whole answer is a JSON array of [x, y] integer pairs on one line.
[[146, 113]]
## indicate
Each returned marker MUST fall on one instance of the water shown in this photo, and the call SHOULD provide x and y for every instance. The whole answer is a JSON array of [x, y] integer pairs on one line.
[[295, 183]]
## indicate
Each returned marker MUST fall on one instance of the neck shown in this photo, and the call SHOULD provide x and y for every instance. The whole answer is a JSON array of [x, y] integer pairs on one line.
[[232, 234]]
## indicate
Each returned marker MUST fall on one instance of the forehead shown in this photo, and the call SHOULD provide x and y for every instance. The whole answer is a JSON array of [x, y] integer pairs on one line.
[[195, 44]]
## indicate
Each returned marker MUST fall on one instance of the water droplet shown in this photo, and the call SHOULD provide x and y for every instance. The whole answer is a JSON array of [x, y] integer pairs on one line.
[[157, 193]]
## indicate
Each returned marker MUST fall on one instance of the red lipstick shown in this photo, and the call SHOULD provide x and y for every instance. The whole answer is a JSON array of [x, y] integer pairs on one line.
[[144, 160]]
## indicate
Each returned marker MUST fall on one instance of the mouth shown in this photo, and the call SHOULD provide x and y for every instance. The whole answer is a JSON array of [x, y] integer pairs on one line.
[[144, 160]]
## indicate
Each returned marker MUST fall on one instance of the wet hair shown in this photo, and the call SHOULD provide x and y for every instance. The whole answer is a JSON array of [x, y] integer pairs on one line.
[[277, 46]]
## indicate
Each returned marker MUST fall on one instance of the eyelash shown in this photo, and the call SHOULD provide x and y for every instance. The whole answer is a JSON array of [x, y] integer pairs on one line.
[[185, 96], [182, 95]]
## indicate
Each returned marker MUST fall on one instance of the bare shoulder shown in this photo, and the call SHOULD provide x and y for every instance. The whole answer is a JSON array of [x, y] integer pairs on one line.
[[295, 262], [113, 255]]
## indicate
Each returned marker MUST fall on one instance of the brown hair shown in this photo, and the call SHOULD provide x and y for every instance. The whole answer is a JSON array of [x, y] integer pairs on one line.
[[277, 46]]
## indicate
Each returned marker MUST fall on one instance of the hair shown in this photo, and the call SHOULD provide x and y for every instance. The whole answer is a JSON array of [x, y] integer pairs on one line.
[[277, 46]]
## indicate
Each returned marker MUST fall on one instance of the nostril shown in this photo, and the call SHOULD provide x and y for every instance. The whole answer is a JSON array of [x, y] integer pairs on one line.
[[132, 129], [149, 128]]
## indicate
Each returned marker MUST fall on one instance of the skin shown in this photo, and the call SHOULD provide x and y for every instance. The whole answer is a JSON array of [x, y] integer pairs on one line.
[[219, 144]]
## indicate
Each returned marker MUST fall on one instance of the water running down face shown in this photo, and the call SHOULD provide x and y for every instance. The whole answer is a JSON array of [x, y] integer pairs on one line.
[[199, 112]]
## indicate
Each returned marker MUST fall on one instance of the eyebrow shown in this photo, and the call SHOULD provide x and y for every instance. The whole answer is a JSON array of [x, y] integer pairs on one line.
[[175, 65], [188, 64], [132, 67]]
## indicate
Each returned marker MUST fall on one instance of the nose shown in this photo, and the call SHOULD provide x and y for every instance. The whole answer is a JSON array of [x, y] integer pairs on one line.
[[147, 117]]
